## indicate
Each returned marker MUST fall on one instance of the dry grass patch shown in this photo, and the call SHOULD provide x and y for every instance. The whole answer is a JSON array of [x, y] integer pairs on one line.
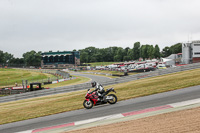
[[37, 107]]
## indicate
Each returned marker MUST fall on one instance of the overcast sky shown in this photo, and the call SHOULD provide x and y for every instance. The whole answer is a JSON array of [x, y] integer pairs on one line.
[[64, 25]]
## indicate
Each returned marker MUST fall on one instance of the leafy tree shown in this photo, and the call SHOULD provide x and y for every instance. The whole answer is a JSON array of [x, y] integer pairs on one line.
[[7, 57], [96, 57], [32, 58], [150, 51], [143, 51], [17, 61], [104, 55], [90, 51], [136, 51], [126, 51], [117, 58], [157, 51], [130, 54], [107, 55], [126, 58], [120, 53], [93, 59], [1, 57], [166, 52], [84, 57], [114, 52], [176, 48]]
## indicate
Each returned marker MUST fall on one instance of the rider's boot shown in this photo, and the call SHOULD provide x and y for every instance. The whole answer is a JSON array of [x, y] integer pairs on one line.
[[104, 99], [100, 98]]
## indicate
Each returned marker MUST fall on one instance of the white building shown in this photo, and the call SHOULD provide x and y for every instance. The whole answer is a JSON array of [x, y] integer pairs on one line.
[[191, 52], [173, 59]]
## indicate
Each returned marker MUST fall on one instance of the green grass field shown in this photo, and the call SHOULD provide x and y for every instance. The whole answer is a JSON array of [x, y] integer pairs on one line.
[[47, 105], [8, 77]]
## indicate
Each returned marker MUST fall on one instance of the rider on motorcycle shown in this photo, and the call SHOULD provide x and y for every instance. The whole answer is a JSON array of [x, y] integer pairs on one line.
[[99, 89]]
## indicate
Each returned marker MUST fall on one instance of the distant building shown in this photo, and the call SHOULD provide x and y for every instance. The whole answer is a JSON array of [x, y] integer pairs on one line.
[[59, 59], [172, 60], [191, 52]]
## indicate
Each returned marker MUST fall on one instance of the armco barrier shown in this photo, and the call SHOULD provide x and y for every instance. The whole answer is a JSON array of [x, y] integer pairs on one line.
[[105, 83]]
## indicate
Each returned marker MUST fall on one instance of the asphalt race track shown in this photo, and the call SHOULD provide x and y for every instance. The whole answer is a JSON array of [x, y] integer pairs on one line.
[[104, 110], [93, 77]]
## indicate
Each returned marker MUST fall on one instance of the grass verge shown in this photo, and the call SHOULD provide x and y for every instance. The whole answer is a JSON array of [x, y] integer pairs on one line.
[[8, 77], [47, 105]]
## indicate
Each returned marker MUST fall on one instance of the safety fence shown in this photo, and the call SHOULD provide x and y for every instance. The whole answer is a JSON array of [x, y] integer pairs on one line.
[[107, 82]]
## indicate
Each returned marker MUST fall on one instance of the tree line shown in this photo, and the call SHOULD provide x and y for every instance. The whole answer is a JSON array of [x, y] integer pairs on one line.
[[31, 58], [92, 54], [117, 54]]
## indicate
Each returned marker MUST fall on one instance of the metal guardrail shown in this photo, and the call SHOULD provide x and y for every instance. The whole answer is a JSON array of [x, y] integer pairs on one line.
[[107, 82]]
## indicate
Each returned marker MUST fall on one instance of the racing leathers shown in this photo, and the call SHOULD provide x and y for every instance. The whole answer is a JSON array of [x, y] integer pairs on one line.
[[100, 91]]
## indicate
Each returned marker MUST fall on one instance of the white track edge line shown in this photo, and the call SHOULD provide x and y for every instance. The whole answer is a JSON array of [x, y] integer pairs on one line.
[[28, 131], [98, 119], [185, 103]]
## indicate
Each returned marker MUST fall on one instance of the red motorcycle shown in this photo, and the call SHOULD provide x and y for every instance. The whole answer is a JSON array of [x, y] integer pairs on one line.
[[92, 98]]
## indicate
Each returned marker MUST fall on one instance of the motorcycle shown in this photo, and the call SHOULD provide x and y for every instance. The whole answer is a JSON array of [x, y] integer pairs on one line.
[[92, 98]]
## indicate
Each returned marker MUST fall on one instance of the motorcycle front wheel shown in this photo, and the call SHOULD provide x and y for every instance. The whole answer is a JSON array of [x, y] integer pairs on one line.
[[88, 104], [113, 100]]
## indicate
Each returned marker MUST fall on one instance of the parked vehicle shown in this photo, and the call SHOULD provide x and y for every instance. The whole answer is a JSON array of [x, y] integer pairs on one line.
[[161, 66], [123, 68], [112, 66], [92, 98], [151, 64]]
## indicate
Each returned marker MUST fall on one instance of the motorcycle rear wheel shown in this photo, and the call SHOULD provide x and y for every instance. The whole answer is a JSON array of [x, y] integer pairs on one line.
[[88, 104], [114, 100]]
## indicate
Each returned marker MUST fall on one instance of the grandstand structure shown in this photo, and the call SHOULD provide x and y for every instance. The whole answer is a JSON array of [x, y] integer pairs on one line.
[[63, 59]]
